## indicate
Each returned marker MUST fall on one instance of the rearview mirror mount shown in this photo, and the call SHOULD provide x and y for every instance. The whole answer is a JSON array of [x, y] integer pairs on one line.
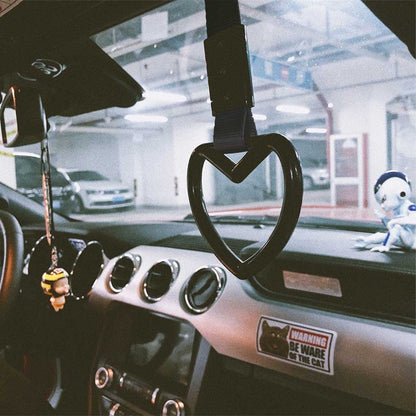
[[22, 117]]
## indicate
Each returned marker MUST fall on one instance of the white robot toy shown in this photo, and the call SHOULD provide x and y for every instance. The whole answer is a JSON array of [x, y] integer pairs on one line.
[[392, 191]]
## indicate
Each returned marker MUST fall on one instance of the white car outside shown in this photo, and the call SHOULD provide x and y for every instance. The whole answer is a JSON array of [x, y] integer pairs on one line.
[[315, 174], [94, 191]]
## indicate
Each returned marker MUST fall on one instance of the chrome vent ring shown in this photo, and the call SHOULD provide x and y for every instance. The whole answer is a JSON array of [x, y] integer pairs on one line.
[[203, 288], [124, 269], [159, 279]]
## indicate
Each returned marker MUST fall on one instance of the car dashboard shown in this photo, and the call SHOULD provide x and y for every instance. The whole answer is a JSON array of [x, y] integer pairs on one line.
[[325, 328]]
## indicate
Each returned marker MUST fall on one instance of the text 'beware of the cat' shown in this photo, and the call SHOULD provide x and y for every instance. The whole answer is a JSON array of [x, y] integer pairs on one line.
[[297, 344]]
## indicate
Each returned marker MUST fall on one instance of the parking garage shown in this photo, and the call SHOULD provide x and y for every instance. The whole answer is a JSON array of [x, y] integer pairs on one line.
[[336, 81]]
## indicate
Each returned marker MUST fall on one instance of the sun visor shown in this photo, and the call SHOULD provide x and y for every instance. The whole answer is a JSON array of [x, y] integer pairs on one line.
[[77, 78]]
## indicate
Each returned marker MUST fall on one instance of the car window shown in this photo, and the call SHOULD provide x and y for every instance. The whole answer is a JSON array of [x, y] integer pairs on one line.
[[28, 173], [327, 74], [58, 179], [86, 175]]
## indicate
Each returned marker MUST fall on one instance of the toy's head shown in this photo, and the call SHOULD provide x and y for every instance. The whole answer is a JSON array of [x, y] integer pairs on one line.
[[55, 282], [392, 189]]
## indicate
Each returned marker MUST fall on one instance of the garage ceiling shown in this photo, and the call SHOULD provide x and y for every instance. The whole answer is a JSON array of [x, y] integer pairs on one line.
[[340, 43]]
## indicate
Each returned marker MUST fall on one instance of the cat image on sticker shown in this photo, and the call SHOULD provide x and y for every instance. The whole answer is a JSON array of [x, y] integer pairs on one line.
[[273, 340]]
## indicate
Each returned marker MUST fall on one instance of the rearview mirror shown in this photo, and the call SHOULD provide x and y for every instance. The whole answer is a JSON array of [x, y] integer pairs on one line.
[[22, 117]]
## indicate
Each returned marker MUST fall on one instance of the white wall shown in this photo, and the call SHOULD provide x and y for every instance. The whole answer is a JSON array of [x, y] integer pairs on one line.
[[161, 162], [154, 154], [187, 135], [363, 110], [7, 167], [93, 151], [127, 162]]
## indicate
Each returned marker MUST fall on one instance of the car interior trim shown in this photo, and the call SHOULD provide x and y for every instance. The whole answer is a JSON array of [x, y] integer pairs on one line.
[[362, 345]]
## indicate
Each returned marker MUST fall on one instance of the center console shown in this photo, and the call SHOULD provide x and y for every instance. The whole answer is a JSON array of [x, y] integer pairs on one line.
[[145, 365]]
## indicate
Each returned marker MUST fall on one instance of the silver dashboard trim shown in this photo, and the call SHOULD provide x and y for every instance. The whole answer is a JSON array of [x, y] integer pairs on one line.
[[114, 409], [154, 395], [121, 381], [177, 404], [373, 360], [108, 372]]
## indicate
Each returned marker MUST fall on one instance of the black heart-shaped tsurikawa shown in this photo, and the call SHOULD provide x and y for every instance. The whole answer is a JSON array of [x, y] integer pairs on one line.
[[259, 148]]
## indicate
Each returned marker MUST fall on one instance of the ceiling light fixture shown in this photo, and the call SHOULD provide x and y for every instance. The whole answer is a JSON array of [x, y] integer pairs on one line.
[[315, 130], [146, 118], [259, 117], [293, 109], [161, 97]]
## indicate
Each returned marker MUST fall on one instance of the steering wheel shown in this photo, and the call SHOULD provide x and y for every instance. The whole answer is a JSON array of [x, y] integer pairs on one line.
[[11, 262]]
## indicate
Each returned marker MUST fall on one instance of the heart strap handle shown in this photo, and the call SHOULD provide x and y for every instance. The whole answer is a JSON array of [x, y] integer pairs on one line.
[[258, 149]]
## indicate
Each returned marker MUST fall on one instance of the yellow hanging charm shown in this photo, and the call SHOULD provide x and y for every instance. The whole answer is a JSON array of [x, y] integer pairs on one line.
[[55, 284]]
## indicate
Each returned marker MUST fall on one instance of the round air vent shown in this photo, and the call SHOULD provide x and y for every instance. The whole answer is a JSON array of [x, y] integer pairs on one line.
[[123, 271], [159, 279], [203, 288]]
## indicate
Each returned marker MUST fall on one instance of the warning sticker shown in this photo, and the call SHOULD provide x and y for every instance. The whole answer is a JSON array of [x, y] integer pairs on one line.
[[297, 344]]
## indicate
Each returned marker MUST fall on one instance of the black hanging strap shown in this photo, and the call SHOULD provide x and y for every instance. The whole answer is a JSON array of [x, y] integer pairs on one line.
[[221, 14], [229, 76], [231, 128]]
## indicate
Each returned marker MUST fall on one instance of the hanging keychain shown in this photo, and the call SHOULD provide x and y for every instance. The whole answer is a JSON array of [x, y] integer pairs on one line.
[[55, 281]]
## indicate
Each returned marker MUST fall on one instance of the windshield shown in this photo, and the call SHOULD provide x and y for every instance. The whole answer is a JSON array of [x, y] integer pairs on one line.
[[85, 175], [327, 74]]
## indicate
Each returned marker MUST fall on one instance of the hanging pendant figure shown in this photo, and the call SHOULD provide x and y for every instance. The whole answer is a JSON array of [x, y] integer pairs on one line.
[[55, 283]]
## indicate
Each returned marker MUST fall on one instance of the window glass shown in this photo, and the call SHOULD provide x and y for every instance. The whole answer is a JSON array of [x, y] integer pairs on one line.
[[326, 73], [85, 175]]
